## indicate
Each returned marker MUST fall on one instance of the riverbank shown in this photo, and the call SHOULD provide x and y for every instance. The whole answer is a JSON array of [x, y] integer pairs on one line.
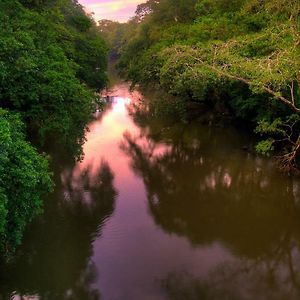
[[239, 58]]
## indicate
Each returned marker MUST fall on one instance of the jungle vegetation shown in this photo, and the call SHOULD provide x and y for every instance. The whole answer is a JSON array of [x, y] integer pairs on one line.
[[237, 57], [240, 58], [52, 60]]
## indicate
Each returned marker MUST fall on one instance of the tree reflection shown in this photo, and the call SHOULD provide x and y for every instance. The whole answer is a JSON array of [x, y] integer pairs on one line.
[[193, 191], [202, 186], [54, 261]]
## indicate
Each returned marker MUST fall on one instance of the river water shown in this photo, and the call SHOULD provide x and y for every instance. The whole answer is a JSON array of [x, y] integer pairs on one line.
[[158, 211]]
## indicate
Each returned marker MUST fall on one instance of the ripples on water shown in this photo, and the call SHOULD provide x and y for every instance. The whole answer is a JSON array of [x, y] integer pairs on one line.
[[161, 211]]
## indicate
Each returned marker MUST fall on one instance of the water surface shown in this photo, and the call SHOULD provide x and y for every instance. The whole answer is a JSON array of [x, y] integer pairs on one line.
[[161, 211]]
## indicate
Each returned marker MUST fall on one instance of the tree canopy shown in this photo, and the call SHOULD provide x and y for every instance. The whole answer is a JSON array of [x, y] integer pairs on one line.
[[52, 61], [242, 56]]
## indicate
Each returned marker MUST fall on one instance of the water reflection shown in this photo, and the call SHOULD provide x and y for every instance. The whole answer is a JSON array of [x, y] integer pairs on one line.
[[205, 197], [196, 217], [54, 262], [201, 186]]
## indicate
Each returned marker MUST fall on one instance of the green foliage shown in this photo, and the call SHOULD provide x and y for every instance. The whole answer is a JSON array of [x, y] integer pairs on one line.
[[170, 11], [243, 55], [91, 57], [170, 108], [47, 60], [52, 60], [24, 179], [272, 128], [265, 147], [280, 131]]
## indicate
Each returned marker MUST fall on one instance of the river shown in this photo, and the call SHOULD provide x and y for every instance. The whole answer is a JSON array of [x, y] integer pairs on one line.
[[158, 212]]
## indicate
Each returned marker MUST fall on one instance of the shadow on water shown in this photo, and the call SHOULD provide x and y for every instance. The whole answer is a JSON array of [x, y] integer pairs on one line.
[[54, 261], [200, 185]]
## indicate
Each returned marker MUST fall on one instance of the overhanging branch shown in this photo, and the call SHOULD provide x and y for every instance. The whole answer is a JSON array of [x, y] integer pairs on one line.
[[290, 103]]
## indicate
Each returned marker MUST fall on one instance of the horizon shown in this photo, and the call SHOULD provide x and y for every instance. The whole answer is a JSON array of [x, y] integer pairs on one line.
[[116, 10]]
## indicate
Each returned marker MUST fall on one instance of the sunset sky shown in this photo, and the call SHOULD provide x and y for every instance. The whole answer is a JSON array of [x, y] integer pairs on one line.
[[120, 10]]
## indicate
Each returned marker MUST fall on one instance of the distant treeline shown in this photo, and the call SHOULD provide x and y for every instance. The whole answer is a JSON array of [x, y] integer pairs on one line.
[[239, 57], [52, 60]]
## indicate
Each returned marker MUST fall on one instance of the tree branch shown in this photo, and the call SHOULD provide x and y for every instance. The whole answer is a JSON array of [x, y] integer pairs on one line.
[[289, 103]]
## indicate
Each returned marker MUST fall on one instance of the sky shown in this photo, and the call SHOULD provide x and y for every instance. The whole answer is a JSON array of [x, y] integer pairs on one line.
[[118, 10]]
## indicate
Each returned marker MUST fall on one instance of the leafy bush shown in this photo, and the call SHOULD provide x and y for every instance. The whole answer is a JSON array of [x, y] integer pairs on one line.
[[24, 179]]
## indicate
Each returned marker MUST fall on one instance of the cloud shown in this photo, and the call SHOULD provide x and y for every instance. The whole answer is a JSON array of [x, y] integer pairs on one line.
[[120, 10]]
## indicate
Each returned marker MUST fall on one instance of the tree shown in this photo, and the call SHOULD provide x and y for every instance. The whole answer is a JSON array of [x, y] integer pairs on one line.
[[145, 9], [48, 59], [24, 180], [243, 56], [52, 60]]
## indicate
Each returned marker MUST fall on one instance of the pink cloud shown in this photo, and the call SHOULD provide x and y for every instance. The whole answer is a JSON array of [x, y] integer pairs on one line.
[[120, 10]]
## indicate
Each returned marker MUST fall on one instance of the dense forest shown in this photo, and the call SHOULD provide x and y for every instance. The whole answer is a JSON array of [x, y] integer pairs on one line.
[[239, 58], [52, 61], [132, 154], [236, 58]]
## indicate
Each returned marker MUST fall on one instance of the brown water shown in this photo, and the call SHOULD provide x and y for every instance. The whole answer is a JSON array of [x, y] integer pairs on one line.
[[159, 211]]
